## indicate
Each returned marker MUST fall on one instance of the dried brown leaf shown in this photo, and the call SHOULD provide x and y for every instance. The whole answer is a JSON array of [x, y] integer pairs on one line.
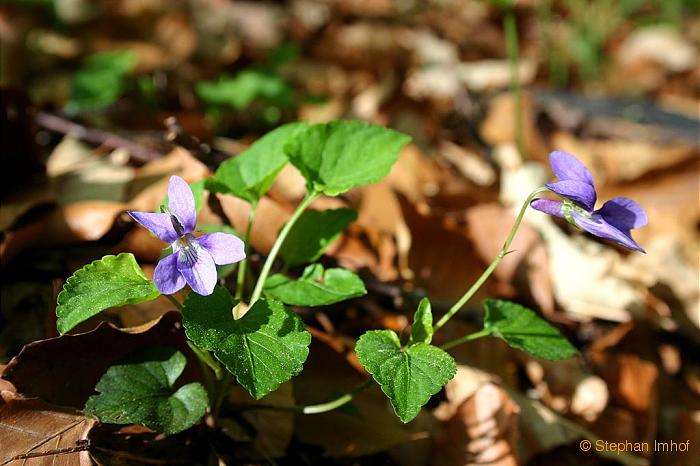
[[483, 431], [65, 370], [34, 427]]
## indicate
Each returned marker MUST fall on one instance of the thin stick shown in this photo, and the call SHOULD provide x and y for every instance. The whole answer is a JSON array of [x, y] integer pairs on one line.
[[62, 125], [83, 446]]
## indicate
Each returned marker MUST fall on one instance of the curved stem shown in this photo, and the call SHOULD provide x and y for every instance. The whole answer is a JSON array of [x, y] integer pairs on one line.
[[317, 408], [172, 299], [242, 266], [487, 273], [472, 336], [278, 243], [336, 403]]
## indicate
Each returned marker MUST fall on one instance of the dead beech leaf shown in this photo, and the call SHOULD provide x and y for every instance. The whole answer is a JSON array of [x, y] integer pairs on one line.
[[381, 217], [65, 370], [34, 427], [79, 173], [415, 175], [634, 381], [464, 384], [483, 431], [499, 125], [491, 75], [290, 185], [469, 164], [439, 237], [84, 220], [269, 218], [652, 44]]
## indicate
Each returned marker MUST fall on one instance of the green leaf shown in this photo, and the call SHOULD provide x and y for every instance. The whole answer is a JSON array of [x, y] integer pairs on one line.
[[521, 328], [100, 80], [313, 232], [109, 282], [263, 349], [336, 156], [316, 287], [250, 174], [142, 391], [241, 90], [409, 377], [422, 329]]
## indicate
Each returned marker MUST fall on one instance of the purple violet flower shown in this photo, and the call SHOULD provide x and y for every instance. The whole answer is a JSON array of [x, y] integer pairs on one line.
[[193, 259], [612, 221]]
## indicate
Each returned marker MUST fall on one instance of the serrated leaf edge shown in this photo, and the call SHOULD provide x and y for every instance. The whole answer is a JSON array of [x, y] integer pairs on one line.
[[70, 282], [382, 386]]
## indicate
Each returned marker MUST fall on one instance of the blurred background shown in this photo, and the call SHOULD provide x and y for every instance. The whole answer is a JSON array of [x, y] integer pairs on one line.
[[102, 101]]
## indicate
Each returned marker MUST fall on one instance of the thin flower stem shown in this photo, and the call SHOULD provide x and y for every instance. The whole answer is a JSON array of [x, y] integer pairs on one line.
[[487, 273], [472, 336], [278, 243], [511, 32], [338, 402], [317, 408], [172, 299], [240, 281]]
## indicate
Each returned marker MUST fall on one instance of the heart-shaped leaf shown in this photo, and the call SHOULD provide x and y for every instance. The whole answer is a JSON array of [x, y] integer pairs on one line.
[[141, 390], [263, 349], [521, 328], [313, 232], [316, 287], [410, 376], [250, 174], [336, 156], [109, 282]]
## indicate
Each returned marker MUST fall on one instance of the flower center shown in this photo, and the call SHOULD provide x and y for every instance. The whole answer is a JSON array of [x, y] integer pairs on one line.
[[187, 249]]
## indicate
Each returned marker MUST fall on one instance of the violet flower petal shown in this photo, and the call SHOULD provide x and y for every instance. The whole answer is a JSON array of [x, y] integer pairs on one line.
[[596, 225], [199, 274], [159, 224], [577, 191], [567, 167], [548, 206], [224, 248], [181, 203], [167, 277], [623, 213]]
